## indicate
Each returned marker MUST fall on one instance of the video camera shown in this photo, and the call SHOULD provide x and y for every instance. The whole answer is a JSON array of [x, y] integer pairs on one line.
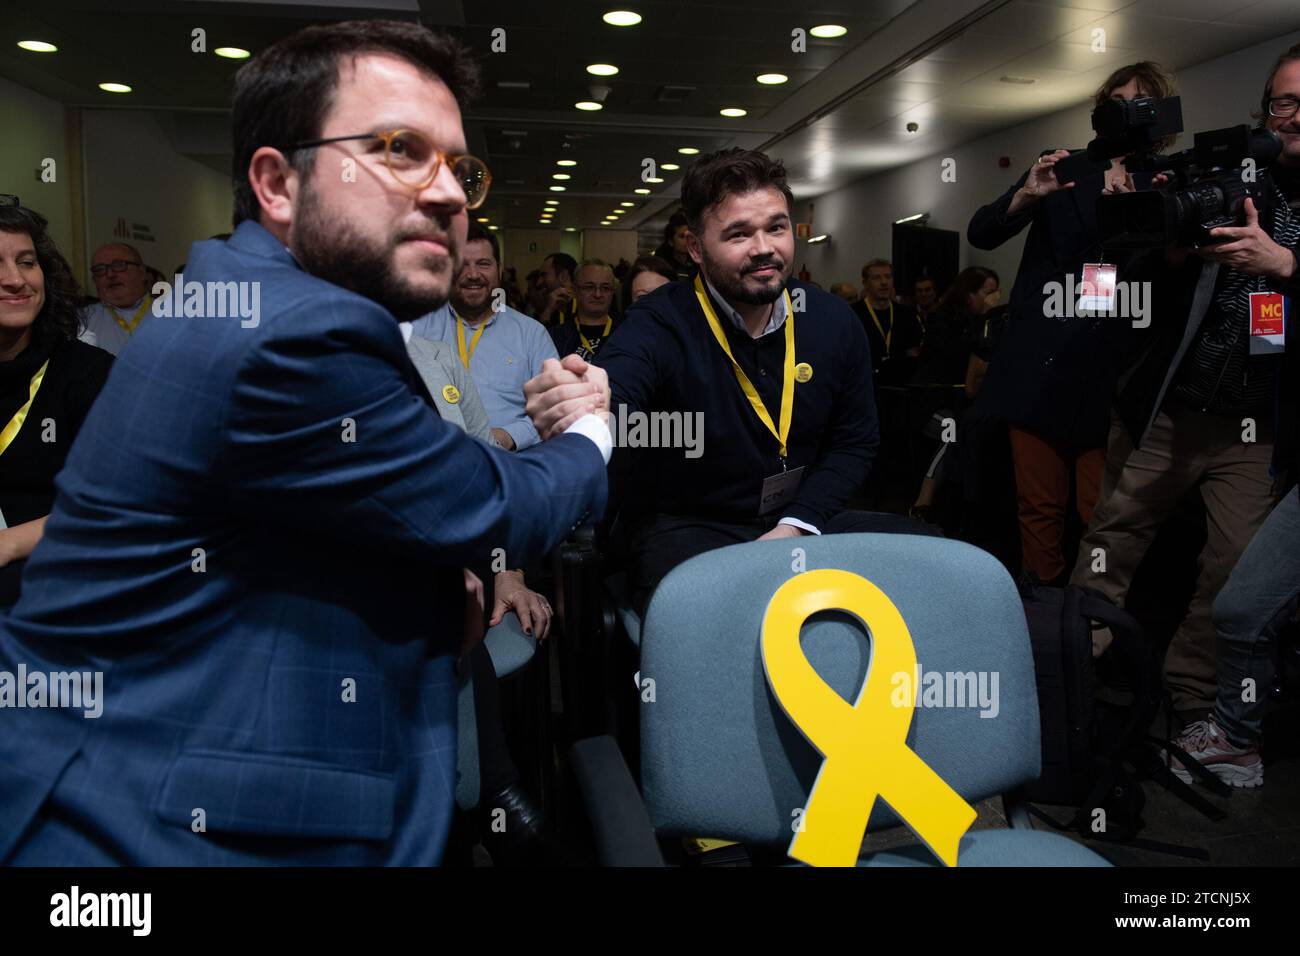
[[1209, 183]]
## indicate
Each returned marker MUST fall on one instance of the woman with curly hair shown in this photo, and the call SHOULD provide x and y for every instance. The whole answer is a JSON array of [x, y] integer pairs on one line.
[[48, 381]]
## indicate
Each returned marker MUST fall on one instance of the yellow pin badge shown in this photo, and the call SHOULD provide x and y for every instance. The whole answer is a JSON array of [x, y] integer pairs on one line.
[[451, 394], [802, 372], [864, 744]]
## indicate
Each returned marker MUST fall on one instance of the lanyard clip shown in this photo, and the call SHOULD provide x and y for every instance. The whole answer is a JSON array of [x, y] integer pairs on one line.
[[783, 470]]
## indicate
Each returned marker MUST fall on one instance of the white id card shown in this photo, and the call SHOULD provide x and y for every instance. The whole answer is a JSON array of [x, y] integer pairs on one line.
[[779, 490]]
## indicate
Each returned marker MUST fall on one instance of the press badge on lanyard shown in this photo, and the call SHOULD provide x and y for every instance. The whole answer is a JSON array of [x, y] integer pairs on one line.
[[1269, 314], [780, 488], [1097, 288]]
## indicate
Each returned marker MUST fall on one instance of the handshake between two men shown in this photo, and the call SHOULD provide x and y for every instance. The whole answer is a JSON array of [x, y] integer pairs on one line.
[[564, 391]]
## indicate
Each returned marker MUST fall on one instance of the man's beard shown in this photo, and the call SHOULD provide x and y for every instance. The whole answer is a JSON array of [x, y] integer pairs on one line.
[[733, 287], [331, 249]]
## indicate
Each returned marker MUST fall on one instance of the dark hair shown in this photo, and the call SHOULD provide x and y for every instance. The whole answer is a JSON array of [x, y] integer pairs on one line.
[[59, 317], [283, 94], [714, 176], [874, 264], [563, 262], [477, 233], [675, 222], [970, 280], [1286, 57], [646, 264]]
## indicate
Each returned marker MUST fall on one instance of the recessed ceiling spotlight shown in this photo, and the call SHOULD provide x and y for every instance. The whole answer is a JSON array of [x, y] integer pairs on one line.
[[687, 150], [772, 79], [641, 192], [232, 52], [602, 69], [828, 31], [552, 202], [622, 18], [37, 46], [671, 167], [589, 106], [115, 87], [566, 162], [561, 176], [732, 111], [557, 189], [627, 204]]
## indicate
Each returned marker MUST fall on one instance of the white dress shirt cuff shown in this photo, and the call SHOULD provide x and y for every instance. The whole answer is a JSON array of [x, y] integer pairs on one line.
[[593, 427], [801, 525]]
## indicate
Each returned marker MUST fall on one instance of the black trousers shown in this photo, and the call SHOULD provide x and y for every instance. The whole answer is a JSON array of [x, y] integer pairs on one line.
[[661, 542]]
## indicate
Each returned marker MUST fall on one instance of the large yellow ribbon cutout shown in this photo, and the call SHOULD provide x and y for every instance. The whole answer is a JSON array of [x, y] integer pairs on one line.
[[864, 744]]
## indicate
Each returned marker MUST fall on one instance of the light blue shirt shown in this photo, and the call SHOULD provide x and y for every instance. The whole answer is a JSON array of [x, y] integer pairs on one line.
[[509, 352], [102, 328]]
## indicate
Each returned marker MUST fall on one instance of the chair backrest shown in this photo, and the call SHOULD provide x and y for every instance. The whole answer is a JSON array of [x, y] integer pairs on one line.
[[720, 758]]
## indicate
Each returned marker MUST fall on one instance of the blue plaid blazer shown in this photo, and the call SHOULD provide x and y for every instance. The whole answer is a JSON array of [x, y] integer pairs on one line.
[[257, 540]]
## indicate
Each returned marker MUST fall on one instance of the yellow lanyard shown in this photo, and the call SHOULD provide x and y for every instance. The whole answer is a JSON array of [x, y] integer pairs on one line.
[[887, 336], [746, 386], [473, 342], [11, 430], [135, 319], [609, 324]]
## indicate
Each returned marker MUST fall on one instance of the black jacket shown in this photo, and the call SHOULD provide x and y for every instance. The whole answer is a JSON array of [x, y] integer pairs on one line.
[[1155, 353], [1055, 376]]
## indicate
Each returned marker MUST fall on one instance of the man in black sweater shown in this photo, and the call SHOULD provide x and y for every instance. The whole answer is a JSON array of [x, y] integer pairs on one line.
[[763, 386]]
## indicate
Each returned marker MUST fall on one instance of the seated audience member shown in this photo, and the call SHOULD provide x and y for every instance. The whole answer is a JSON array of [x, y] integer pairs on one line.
[[950, 330], [535, 291], [778, 421], [502, 350], [925, 296], [525, 837], [559, 270], [673, 250], [893, 333], [48, 381], [846, 291], [647, 274], [123, 282], [593, 323]]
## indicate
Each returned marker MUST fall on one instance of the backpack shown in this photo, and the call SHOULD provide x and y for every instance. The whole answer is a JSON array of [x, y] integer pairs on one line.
[[1093, 713]]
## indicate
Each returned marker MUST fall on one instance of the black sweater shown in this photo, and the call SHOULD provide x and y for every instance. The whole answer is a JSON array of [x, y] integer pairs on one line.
[[665, 359], [27, 468]]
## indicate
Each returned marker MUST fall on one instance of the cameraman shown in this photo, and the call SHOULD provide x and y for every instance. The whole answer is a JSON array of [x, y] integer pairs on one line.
[[1054, 378], [1195, 410]]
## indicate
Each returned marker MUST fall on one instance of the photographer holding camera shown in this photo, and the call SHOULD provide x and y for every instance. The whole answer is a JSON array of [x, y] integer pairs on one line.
[[1053, 377], [1196, 410]]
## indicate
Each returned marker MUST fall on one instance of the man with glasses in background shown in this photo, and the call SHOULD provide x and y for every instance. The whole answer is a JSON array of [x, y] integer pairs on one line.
[[278, 520], [122, 282], [593, 324], [1199, 413]]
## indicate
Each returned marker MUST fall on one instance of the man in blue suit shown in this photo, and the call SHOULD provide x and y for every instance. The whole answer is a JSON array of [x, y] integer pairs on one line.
[[259, 539]]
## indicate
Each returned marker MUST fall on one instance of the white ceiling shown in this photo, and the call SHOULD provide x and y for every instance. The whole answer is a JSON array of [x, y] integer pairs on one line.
[[955, 93]]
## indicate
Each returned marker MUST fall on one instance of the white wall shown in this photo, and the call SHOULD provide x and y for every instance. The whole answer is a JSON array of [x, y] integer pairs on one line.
[[33, 131], [133, 173], [859, 217]]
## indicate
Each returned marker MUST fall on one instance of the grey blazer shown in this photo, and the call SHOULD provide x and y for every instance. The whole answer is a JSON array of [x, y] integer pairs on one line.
[[439, 367]]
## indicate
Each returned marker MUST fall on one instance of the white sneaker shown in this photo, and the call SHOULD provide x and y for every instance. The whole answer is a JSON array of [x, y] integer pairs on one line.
[[1206, 743]]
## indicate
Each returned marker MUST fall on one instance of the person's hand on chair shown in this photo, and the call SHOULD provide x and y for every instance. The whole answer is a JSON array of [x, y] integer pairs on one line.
[[532, 609]]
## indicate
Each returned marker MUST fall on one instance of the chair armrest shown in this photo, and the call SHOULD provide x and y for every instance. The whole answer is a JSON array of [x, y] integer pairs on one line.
[[619, 821]]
